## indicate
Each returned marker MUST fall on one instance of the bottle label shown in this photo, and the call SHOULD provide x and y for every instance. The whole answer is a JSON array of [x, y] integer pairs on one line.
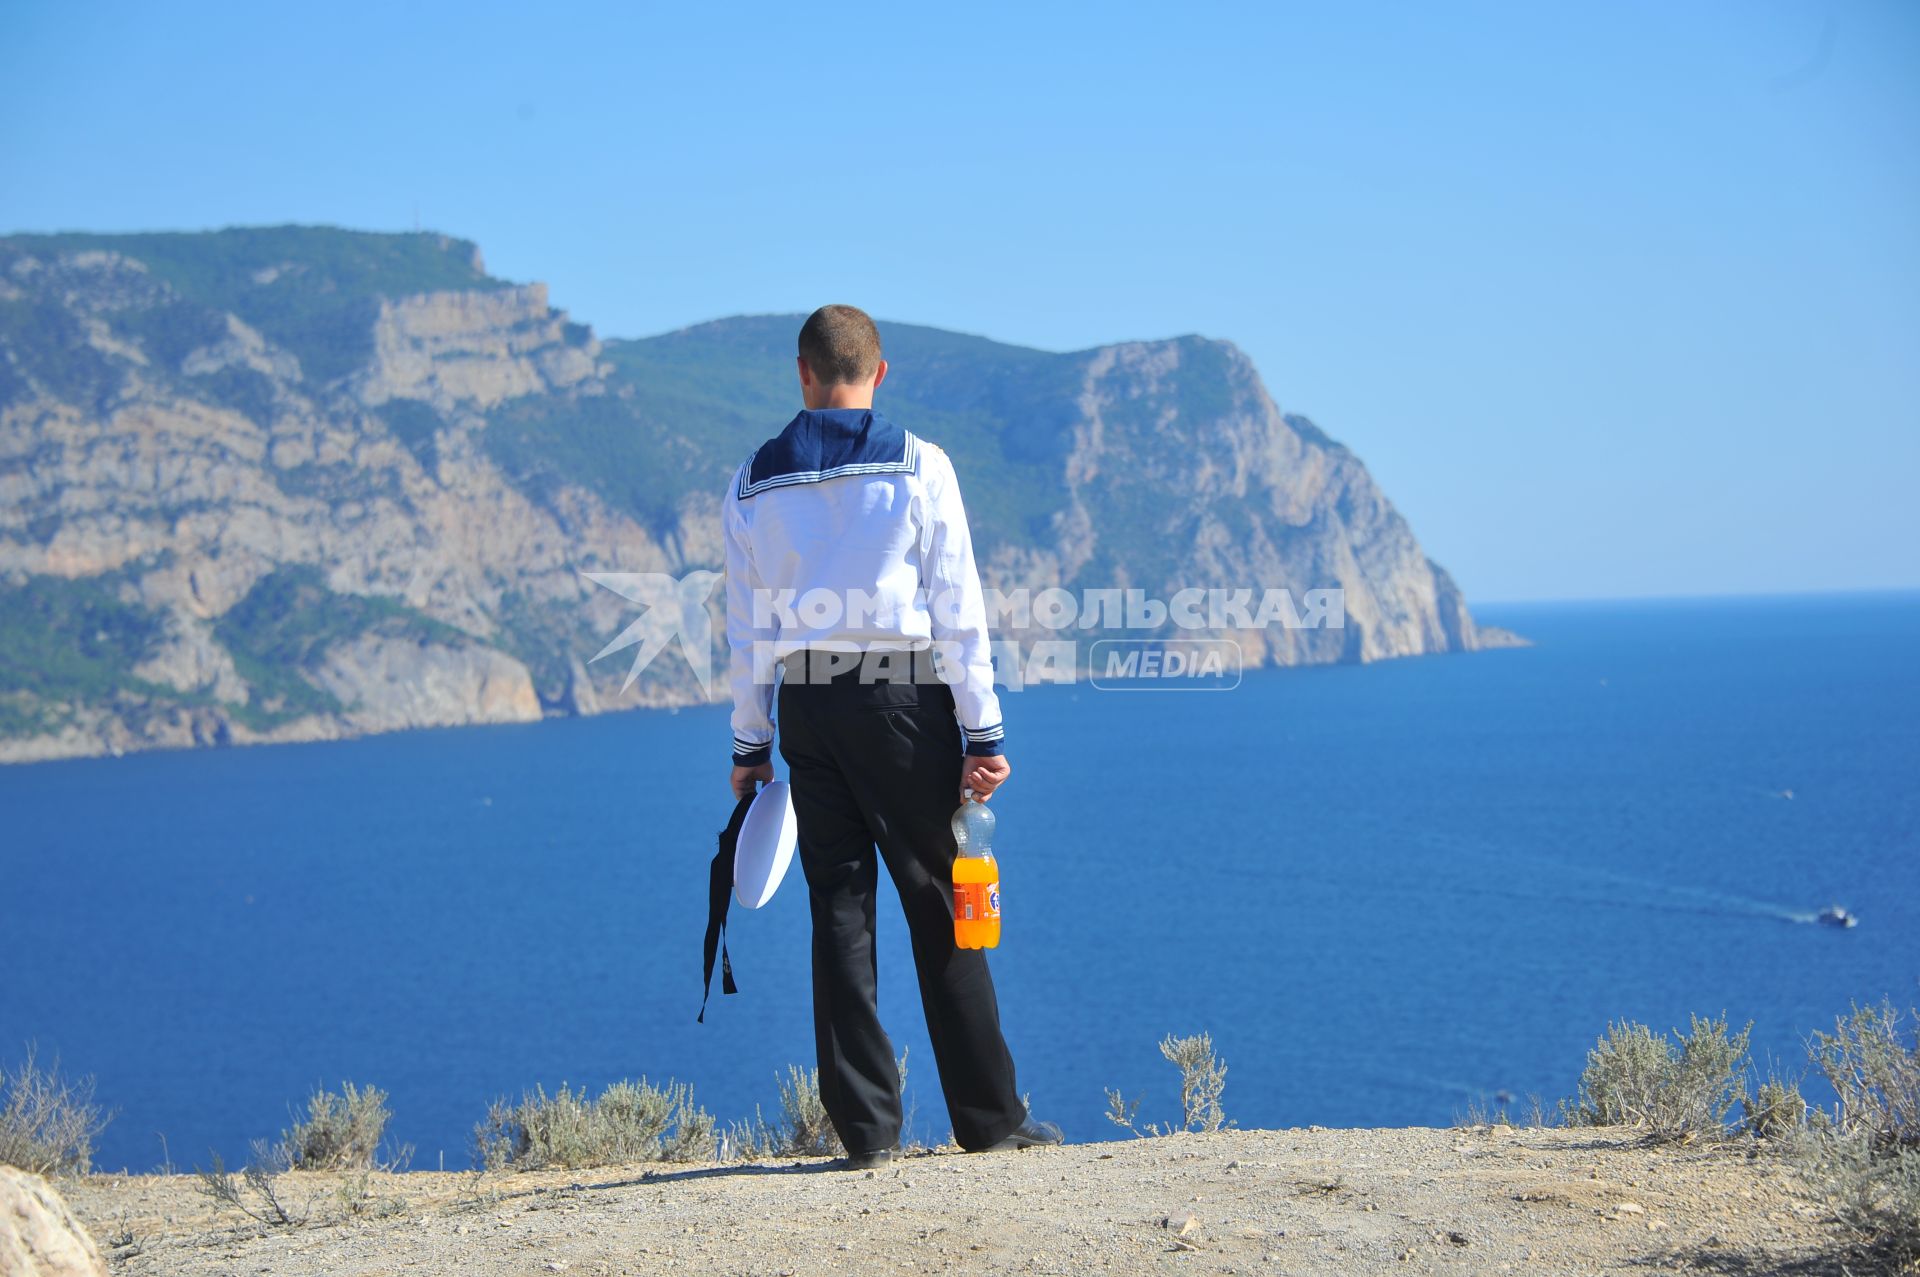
[[976, 901]]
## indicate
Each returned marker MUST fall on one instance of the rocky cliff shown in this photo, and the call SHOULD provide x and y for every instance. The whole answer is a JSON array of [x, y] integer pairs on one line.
[[296, 483]]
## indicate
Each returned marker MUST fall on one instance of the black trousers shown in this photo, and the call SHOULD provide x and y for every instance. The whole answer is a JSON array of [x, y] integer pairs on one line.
[[878, 763]]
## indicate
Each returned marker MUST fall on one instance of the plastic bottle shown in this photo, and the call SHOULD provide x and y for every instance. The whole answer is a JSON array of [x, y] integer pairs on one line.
[[976, 878]]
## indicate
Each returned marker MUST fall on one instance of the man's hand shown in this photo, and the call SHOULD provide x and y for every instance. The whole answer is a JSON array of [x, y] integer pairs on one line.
[[744, 777], [983, 775]]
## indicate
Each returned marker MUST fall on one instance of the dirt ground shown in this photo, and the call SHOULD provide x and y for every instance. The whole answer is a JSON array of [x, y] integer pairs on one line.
[[1420, 1200]]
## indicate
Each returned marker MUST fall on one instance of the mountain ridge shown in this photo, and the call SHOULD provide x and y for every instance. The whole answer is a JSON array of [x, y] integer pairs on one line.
[[294, 483]]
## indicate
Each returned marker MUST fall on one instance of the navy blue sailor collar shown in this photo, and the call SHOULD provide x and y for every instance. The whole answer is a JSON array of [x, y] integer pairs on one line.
[[825, 443]]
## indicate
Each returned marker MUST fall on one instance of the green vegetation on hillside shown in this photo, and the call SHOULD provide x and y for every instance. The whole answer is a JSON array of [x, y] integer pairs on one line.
[[606, 444], [41, 340], [541, 638], [689, 406], [414, 424], [284, 625], [76, 642], [173, 329], [311, 289], [724, 388], [65, 641]]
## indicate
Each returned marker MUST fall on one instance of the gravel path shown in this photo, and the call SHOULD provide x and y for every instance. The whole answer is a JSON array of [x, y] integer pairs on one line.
[[1348, 1202]]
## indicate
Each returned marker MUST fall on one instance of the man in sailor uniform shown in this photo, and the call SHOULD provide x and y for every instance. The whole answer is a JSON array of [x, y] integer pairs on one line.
[[851, 584]]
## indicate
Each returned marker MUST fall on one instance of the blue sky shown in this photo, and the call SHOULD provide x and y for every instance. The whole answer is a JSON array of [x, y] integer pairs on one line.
[[1614, 299]]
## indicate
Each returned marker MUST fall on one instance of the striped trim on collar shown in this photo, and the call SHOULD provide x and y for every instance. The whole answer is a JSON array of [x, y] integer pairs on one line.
[[904, 465]]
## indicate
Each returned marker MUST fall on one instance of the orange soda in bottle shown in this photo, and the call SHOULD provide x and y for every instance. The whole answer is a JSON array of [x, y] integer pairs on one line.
[[976, 878]]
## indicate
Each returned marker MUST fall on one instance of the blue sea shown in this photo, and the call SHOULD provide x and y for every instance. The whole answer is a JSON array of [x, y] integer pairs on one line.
[[1389, 892]]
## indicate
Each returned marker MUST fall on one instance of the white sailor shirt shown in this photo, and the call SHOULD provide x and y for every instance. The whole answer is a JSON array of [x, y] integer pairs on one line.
[[846, 533]]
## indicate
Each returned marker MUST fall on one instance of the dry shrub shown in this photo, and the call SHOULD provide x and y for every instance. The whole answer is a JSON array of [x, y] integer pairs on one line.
[[1671, 1089], [47, 1123], [1203, 1079], [260, 1193], [803, 1128], [1863, 1162], [341, 1131], [1876, 1074], [1873, 1191], [1776, 1110], [628, 1122]]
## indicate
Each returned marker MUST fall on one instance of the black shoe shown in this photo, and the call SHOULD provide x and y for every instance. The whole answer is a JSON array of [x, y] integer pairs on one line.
[[865, 1161], [1027, 1135]]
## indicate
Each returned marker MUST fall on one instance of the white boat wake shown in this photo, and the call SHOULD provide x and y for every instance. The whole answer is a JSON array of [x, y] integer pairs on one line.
[[1646, 892]]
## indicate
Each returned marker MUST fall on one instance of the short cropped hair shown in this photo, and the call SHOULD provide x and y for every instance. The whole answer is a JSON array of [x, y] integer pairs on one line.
[[841, 345]]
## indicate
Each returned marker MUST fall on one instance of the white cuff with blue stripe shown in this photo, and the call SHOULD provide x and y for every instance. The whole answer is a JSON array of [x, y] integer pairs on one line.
[[984, 742]]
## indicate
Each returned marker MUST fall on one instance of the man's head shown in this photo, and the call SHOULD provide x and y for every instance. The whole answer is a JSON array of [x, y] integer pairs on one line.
[[840, 363]]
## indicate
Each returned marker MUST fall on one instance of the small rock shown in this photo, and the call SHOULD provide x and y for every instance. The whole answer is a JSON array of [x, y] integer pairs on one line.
[[1407, 1254], [556, 1265], [38, 1229], [1631, 1208], [1458, 1238]]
